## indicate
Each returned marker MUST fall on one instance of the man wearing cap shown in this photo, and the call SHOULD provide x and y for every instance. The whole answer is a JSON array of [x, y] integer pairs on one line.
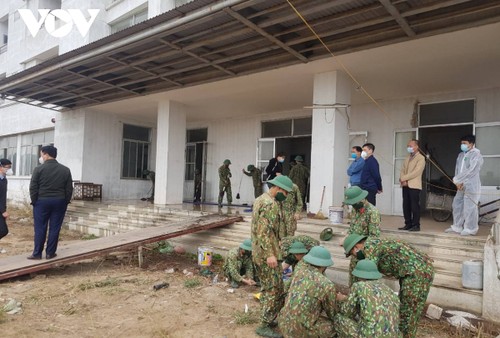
[[291, 208], [286, 244], [256, 175], [365, 219], [299, 175], [266, 252], [397, 259], [51, 189], [5, 169], [238, 265], [310, 294], [225, 183], [371, 309]]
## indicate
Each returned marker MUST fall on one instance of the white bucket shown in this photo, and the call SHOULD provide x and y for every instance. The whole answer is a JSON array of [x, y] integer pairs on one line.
[[472, 274], [336, 215], [204, 256]]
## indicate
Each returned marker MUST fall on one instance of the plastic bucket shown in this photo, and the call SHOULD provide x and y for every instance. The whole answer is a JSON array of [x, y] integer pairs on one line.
[[336, 215], [204, 256], [472, 274]]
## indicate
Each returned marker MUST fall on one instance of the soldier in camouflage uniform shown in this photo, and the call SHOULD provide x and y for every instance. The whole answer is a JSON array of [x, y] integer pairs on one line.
[[256, 175], [225, 183], [310, 294], [300, 174], [286, 243], [238, 265], [365, 219], [197, 186], [266, 252], [397, 259], [371, 309], [290, 210]]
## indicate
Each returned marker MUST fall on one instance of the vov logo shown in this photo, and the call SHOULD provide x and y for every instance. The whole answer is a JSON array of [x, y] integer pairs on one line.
[[67, 19]]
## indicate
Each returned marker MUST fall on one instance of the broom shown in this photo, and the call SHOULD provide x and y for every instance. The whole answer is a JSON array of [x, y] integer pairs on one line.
[[239, 188], [319, 214]]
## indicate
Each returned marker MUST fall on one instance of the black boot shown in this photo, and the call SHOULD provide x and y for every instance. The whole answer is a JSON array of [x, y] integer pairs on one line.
[[415, 228], [406, 227]]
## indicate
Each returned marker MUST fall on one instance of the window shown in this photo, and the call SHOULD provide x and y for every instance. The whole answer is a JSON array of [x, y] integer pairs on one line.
[[196, 135], [129, 21], [487, 143], [4, 33], [30, 149], [401, 139], [8, 149], [136, 145], [287, 128], [446, 112]]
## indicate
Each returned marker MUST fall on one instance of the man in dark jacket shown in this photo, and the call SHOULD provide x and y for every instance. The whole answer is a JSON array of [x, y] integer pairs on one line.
[[51, 188], [5, 169], [370, 176], [275, 166]]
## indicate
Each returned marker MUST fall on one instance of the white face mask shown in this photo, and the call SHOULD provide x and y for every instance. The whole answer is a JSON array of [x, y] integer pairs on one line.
[[364, 154], [41, 160], [9, 172]]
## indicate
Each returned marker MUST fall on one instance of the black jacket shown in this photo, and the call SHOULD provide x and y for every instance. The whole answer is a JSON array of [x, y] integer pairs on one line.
[[273, 167], [51, 180], [3, 196]]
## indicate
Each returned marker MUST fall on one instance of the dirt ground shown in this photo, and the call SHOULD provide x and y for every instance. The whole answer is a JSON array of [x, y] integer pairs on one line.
[[112, 297]]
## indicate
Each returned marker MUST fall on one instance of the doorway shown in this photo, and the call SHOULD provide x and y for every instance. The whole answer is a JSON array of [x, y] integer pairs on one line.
[[195, 164], [294, 146]]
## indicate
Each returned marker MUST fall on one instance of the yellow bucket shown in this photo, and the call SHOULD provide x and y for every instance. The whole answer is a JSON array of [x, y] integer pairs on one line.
[[204, 256]]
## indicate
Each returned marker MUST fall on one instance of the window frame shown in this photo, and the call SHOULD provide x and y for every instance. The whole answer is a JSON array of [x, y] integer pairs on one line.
[[145, 158]]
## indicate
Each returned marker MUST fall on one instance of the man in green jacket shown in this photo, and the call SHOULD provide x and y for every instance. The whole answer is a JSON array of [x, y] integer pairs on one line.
[[256, 175], [238, 265], [225, 183]]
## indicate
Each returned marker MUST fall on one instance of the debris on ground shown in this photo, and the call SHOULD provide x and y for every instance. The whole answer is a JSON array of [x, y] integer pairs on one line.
[[434, 312], [462, 319], [12, 307]]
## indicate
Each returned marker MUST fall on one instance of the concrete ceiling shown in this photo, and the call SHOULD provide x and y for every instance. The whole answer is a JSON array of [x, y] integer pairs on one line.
[[461, 60]]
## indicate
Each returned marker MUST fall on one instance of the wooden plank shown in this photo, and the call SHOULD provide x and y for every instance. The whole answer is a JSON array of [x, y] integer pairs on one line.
[[19, 265]]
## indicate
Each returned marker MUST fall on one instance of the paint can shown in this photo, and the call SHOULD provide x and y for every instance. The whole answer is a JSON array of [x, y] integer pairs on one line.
[[336, 215], [472, 274], [204, 256]]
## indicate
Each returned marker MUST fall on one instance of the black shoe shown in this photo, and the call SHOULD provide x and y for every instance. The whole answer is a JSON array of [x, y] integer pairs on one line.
[[51, 256], [406, 227], [34, 257], [415, 228]]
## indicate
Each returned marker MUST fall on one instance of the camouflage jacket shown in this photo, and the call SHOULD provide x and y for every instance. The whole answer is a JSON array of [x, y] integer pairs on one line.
[[365, 221], [286, 242], [375, 307], [234, 262], [310, 294], [265, 229], [224, 175], [293, 204], [256, 175], [397, 258], [299, 175]]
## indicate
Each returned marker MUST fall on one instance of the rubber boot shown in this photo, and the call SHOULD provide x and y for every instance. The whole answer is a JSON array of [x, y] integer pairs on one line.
[[267, 331]]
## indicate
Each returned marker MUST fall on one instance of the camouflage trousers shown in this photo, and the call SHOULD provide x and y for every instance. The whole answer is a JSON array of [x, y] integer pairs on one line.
[[413, 292], [290, 224], [272, 297], [257, 190], [227, 190], [323, 328], [352, 265], [348, 328]]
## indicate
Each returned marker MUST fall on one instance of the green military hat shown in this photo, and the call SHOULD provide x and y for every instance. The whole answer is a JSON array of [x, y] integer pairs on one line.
[[366, 269], [326, 234], [227, 161], [350, 242], [284, 182], [299, 158], [250, 167], [297, 248], [354, 195], [319, 256], [246, 245]]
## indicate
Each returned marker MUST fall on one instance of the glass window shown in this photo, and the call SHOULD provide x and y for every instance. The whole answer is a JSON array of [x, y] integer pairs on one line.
[[30, 149], [490, 175], [277, 128], [302, 126], [190, 162], [400, 144], [8, 149], [487, 140], [197, 135], [135, 157], [129, 21], [446, 112]]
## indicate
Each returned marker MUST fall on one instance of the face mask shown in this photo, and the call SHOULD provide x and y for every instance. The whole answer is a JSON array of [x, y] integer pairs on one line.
[[9, 172], [464, 147], [41, 160], [281, 160], [364, 154], [353, 155], [358, 205], [280, 197], [360, 255], [410, 150]]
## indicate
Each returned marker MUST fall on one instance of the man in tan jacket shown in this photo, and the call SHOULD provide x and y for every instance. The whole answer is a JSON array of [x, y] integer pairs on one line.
[[410, 180]]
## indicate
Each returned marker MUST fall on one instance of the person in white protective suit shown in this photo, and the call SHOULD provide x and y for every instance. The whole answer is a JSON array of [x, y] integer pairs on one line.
[[467, 180]]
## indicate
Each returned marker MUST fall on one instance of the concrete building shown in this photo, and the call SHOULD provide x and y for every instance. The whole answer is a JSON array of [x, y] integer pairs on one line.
[[174, 86]]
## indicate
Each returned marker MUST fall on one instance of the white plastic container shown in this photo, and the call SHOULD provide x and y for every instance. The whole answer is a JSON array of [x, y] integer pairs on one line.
[[336, 215], [472, 274]]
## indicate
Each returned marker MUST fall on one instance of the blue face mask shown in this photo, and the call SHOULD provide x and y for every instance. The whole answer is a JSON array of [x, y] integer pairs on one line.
[[353, 155], [410, 150], [464, 148]]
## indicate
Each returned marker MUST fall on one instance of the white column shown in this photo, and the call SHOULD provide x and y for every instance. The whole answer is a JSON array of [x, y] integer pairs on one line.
[[330, 140], [170, 147]]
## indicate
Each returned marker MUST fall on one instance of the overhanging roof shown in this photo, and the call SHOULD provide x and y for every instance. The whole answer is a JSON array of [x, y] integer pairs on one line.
[[206, 41]]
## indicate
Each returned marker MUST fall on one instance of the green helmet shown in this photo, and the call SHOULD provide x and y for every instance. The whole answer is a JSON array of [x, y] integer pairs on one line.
[[354, 195], [326, 234], [319, 256], [250, 167], [297, 248], [299, 158], [227, 162], [283, 182], [246, 245], [350, 242], [366, 269]]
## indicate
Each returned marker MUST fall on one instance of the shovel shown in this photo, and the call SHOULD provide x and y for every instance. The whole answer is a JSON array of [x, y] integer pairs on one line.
[[239, 188]]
